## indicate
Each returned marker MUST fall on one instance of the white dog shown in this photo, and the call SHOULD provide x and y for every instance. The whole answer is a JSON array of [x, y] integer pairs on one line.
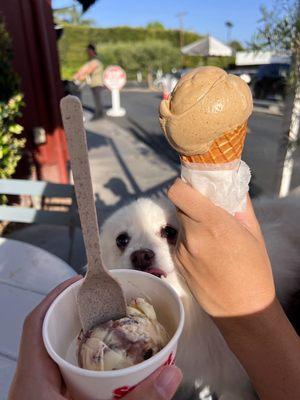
[[142, 235]]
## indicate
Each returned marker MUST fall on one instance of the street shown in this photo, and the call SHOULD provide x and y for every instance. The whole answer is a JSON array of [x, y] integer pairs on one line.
[[261, 147]]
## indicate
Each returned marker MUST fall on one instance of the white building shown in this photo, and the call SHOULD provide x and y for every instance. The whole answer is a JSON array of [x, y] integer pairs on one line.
[[247, 58]]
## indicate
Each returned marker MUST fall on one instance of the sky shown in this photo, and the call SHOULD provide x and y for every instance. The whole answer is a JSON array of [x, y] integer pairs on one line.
[[202, 16]]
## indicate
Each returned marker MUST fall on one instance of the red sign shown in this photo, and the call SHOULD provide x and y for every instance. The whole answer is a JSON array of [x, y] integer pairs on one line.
[[114, 77]]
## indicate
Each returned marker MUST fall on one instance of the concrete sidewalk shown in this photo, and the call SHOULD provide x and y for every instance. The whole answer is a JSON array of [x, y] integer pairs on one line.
[[122, 168]]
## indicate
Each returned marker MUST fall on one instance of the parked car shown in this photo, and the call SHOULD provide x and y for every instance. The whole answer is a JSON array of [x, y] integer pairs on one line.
[[168, 81], [246, 74], [270, 81]]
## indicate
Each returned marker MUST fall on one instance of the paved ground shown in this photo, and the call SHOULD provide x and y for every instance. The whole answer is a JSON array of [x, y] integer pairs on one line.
[[130, 158], [260, 152], [123, 168]]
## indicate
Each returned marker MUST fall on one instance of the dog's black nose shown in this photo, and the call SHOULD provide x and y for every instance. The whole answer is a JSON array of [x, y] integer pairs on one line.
[[142, 259]]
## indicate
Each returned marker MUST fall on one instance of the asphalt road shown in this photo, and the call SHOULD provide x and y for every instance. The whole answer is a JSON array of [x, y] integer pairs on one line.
[[261, 147]]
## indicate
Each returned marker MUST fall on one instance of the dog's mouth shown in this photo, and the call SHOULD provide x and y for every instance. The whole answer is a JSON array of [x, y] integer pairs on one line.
[[157, 272]]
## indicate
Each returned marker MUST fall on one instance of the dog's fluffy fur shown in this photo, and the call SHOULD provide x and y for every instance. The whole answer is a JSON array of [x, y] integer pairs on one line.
[[203, 354]]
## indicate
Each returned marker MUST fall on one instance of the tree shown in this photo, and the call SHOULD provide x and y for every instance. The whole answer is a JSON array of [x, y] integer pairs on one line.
[[10, 103], [72, 15], [236, 45], [143, 56], [229, 26], [155, 25], [279, 30]]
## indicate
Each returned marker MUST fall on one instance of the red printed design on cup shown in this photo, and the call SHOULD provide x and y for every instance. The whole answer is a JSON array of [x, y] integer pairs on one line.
[[170, 360], [119, 393]]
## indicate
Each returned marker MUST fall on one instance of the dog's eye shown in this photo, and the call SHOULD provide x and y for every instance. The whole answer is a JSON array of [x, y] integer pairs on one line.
[[169, 233], [122, 240]]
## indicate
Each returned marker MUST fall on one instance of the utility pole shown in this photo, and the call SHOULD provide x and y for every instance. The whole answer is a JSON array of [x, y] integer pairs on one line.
[[181, 32]]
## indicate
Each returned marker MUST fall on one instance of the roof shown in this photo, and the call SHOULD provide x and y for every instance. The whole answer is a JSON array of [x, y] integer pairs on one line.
[[209, 46]]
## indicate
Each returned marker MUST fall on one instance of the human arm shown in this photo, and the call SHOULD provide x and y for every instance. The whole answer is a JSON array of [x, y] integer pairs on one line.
[[225, 263], [85, 70], [38, 377]]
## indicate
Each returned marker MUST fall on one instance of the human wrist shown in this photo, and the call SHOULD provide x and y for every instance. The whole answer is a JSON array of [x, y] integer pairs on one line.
[[267, 326], [268, 348]]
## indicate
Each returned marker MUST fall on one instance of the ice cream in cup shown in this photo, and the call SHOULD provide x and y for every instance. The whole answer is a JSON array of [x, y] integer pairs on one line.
[[61, 334]]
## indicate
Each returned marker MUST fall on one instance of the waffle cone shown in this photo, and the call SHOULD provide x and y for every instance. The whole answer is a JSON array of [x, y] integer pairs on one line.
[[224, 149]]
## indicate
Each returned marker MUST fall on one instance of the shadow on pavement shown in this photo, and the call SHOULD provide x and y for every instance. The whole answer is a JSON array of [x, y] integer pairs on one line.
[[95, 140], [119, 189]]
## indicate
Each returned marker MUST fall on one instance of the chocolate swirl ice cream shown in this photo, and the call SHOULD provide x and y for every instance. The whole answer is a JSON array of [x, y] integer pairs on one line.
[[124, 342]]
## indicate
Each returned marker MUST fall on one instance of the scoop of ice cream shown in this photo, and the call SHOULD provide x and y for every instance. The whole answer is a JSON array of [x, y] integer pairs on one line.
[[206, 103], [124, 342]]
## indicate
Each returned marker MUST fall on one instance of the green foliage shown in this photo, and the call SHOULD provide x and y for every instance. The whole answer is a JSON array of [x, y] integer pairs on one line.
[[279, 28], [8, 79], [10, 104], [141, 56], [71, 15], [135, 49], [10, 144], [236, 45], [156, 25], [75, 39], [198, 61]]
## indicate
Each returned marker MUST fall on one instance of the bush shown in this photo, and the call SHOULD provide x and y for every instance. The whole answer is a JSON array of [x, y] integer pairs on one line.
[[141, 56], [10, 145], [8, 80], [124, 46], [75, 39], [10, 104]]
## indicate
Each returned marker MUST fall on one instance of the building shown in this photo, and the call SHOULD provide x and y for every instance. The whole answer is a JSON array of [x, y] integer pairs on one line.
[[31, 27], [256, 58]]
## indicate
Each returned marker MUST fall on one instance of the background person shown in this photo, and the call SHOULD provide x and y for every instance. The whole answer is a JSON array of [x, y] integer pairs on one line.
[[92, 74]]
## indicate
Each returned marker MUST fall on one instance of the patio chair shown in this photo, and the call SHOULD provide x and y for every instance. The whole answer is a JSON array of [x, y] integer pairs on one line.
[[33, 215]]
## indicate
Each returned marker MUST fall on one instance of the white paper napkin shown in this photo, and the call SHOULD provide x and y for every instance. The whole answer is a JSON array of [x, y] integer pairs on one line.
[[226, 185]]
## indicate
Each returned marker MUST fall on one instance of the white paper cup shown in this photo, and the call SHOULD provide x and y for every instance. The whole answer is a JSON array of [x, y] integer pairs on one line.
[[62, 326]]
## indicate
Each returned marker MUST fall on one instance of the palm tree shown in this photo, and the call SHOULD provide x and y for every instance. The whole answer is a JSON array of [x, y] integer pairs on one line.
[[229, 26], [73, 14]]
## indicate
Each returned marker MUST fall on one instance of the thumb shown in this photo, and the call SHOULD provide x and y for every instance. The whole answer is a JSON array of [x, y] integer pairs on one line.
[[161, 385]]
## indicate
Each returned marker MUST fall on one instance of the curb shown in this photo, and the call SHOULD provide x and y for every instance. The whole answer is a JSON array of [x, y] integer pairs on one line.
[[268, 110], [142, 90]]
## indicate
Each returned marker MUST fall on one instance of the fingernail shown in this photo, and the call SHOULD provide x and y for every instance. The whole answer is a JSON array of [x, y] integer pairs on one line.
[[168, 381]]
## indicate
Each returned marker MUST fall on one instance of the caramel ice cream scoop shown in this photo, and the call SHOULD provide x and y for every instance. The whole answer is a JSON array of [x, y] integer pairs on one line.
[[205, 118]]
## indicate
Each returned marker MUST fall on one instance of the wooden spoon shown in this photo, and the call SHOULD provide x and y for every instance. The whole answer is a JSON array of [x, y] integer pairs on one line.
[[100, 298]]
